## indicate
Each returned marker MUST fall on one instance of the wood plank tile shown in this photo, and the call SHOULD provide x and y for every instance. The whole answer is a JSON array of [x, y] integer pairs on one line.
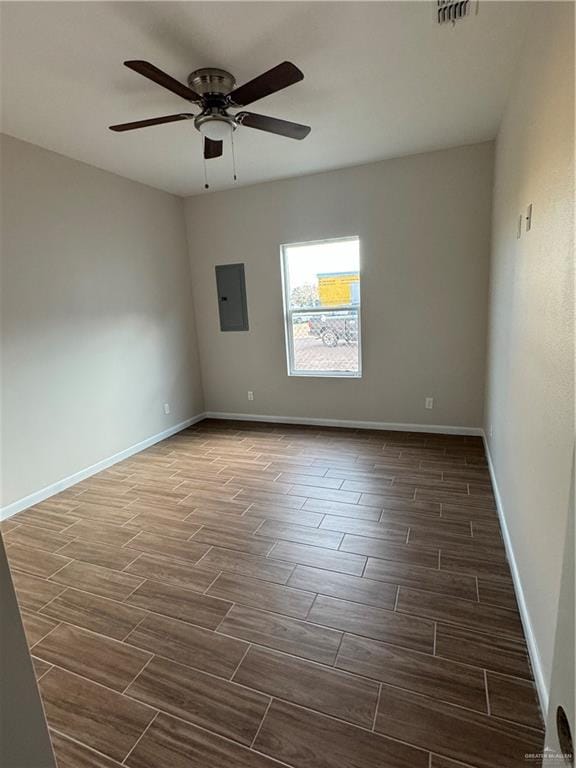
[[468, 562], [302, 469], [514, 699], [500, 654], [390, 550], [176, 572], [103, 555], [36, 538], [249, 482], [413, 506], [149, 495], [179, 603], [202, 649], [282, 633], [274, 529], [156, 523], [46, 518], [354, 588], [101, 513], [174, 743], [40, 667], [222, 521], [379, 624], [71, 754], [311, 685], [414, 671], [308, 492], [486, 531], [32, 592], [102, 533], [74, 706], [303, 739], [36, 562], [215, 485], [314, 481], [36, 627], [318, 557], [381, 500], [97, 658], [267, 569], [262, 594], [210, 702], [425, 523], [286, 500], [100, 581], [465, 613], [459, 511], [455, 543], [233, 540], [155, 544], [370, 528], [296, 516], [101, 498], [96, 613], [429, 579], [8, 525], [460, 499], [497, 592], [356, 511], [443, 762], [454, 731]]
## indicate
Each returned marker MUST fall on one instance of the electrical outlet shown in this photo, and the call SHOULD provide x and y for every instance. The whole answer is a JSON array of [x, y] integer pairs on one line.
[[491, 431], [529, 218], [166, 408], [429, 403], [250, 395]]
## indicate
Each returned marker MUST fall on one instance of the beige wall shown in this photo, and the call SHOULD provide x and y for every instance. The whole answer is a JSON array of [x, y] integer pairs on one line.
[[530, 386], [424, 225], [97, 320]]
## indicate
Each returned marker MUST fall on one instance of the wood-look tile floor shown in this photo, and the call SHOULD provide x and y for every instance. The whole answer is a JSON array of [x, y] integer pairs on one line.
[[254, 596]]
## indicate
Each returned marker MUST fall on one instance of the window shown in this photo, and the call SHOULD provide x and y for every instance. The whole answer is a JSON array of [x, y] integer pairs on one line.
[[321, 282]]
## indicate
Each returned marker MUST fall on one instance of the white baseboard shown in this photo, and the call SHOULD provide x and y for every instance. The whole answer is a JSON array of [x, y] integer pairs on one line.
[[539, 678], [351, 424], [66, 482]]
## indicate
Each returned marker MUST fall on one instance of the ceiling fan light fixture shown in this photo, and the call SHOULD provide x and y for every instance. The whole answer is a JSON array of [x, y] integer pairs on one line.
[[215, 128]]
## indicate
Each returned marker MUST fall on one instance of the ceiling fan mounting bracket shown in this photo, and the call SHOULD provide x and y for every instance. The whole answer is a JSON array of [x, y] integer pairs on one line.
[[211, 81]]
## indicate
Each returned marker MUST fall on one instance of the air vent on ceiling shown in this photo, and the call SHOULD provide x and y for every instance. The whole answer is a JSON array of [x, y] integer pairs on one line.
[[452, 10]]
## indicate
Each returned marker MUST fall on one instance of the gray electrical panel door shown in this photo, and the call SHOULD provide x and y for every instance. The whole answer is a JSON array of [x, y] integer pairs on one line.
[[232, 307]]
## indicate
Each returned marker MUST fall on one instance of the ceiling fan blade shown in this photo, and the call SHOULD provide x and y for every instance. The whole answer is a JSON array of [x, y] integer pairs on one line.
[[212, 148], [275, 79], [273, 125], [152, 121], [161, 78]]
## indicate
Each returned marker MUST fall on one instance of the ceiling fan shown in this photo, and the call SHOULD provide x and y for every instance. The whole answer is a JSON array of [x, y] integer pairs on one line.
[[214, 91]]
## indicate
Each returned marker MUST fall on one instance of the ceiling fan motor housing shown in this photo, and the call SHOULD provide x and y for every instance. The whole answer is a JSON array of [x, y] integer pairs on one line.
[[210, 81], [213, 85]]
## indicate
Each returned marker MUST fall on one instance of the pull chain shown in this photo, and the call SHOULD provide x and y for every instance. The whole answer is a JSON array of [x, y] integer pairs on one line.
[[233, 158], [206, 185]]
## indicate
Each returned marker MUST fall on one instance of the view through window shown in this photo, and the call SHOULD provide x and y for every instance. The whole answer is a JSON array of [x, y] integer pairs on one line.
[[322, 307]]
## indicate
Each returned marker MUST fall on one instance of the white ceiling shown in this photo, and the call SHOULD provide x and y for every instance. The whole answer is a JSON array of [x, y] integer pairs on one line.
[[382, 79]]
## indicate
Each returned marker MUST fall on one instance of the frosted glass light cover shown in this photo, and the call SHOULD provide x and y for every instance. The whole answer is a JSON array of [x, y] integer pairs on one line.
[[217, 130]]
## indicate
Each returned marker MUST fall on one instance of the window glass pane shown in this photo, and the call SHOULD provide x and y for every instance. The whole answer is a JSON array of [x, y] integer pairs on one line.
[[322, 307], [325, 342], [323, 274]]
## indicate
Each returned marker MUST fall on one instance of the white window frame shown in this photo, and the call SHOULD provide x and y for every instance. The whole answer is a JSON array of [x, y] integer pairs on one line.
[[289, 313]]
